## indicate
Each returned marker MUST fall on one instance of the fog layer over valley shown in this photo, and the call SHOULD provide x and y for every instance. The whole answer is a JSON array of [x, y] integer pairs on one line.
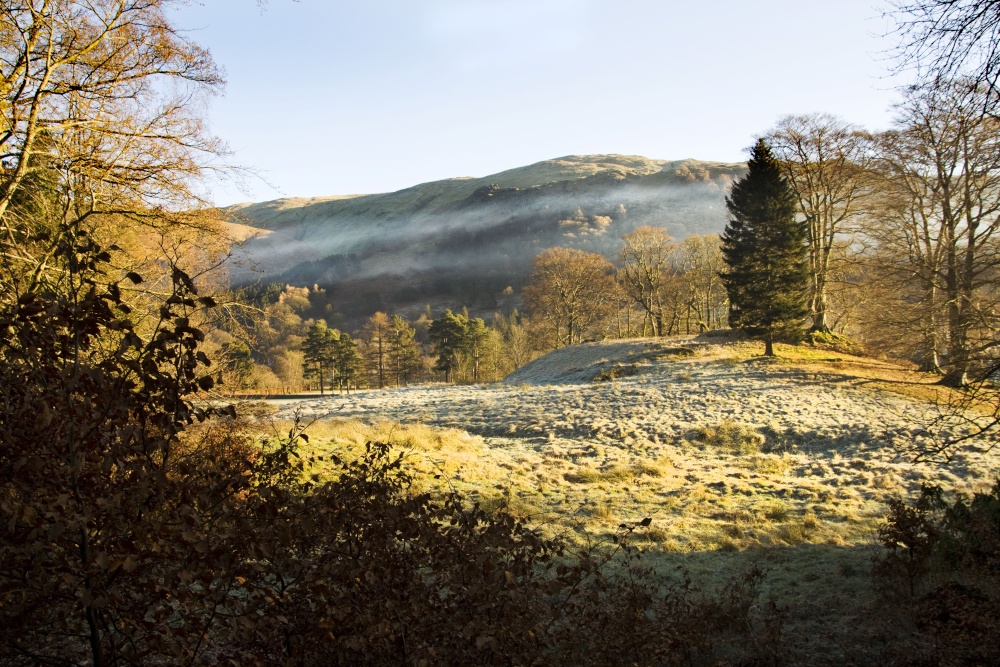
[[469, 238]]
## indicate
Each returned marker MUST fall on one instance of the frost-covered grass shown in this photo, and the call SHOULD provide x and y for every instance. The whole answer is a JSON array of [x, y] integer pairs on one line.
[[732, 456], [699, 443]]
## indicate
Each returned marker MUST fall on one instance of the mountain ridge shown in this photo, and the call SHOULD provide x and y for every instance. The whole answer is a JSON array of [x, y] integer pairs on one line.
[[480, 230]]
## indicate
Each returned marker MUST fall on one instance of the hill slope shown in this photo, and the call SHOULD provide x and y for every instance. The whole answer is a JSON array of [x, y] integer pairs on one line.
[[468, 238]]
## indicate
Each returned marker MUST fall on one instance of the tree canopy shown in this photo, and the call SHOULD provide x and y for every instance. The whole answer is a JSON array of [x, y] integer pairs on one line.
[[571, 291]]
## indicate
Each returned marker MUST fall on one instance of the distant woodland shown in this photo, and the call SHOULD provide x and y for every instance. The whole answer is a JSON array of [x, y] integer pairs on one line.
[[901, 246], [146, 519]]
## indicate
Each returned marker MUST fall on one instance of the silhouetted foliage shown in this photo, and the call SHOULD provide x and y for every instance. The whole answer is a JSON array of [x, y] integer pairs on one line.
[[947, 554], [114, 528]]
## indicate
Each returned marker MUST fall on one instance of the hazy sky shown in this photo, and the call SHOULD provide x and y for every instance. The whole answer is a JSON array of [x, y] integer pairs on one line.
[[333, 97]]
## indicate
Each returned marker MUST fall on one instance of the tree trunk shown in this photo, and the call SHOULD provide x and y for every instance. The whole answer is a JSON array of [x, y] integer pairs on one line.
[[819, 308], [955, 377], [769, 344], [958, 354], [930, 363]]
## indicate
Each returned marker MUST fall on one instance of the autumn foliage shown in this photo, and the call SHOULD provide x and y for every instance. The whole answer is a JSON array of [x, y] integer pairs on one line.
[[144, 526]]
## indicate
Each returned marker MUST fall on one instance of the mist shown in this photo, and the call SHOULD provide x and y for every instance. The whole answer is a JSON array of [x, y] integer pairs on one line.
[[484, 229]]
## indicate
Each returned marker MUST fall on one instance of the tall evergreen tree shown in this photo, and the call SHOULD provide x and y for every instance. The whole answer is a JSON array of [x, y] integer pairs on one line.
[[764, 248], [347, 361], [475, 336], [447, 333], [404, 351], [319, 352], [378, 330]]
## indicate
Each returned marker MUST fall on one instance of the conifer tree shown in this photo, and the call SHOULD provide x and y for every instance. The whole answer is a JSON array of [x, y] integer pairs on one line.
[[475, 336], [347, 361], [447, 333], [404, 351], [378, 330], [764, 248], [319, 352]]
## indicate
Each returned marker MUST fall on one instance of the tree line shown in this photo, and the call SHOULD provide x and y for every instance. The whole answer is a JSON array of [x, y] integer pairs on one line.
[[901, 253], [899, 230], [281, 337]]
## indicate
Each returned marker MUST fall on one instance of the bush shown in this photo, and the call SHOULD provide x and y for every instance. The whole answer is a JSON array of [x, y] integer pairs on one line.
[[946, 553], [141, 528]]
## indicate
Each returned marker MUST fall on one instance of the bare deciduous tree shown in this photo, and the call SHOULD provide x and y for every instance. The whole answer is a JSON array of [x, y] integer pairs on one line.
[[647, 267], [951, 39], [826, 162], [699, 261], [942, 208], [570, 292]]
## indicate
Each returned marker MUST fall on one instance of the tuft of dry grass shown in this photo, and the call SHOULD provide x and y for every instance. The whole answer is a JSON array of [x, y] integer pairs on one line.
[[728, 435], [619, 474], [773, 510], [767, 464], [602, 511]]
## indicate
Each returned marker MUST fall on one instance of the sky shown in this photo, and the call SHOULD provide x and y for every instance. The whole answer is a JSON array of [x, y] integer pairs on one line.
[[332, 97]]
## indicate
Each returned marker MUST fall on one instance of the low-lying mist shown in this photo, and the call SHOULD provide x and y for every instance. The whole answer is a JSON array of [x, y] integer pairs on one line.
[[462, 229]]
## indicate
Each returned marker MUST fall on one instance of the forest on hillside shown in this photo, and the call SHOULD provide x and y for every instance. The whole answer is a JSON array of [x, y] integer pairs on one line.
[[902, 250], [147, 519]]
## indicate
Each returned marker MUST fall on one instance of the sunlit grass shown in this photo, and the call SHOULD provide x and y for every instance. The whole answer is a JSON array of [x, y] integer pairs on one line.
[[722, 492]]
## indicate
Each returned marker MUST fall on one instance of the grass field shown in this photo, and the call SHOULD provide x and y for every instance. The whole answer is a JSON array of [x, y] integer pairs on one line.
[[734, 458]]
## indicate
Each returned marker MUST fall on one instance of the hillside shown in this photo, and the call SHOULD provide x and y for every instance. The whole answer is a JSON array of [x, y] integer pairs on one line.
[[736, 459], [463, 240]]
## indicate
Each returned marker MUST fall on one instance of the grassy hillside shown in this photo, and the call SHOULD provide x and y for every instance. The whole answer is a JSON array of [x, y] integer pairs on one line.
[[297, 211], [446, 233]]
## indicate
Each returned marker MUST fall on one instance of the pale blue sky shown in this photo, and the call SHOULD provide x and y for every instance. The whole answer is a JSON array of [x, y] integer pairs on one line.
[[332, 97]]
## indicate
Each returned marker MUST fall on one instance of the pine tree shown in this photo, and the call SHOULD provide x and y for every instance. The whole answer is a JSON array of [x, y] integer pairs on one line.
[[404, 351], [475, 336], [447, 333], [319, 352], [764, 248], [378, 330], [348, 362]]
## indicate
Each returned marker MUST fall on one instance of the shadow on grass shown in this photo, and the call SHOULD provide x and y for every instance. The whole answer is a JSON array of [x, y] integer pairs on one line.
[[826, 589]]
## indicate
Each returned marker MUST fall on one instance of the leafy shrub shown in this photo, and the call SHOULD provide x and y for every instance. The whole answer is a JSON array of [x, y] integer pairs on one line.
[[908, 538], [970, 538], [946, 554]]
